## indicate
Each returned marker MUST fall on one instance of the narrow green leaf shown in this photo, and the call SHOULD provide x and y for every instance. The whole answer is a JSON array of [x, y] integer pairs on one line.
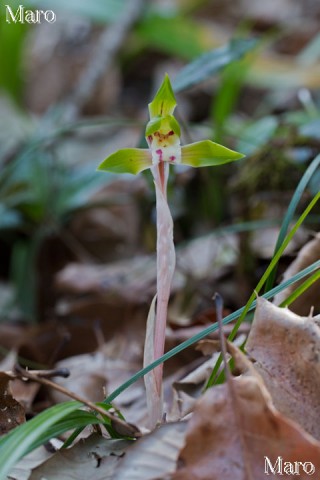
[[77, 419], [18, 442], [306, 178], [207, 154], [211, 62], [12, 37], [127, 160], [164, 101], [301, 289]]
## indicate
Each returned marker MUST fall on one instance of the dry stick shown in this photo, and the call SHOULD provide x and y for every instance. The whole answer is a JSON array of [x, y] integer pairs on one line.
[[110, 42], [130, 430], [230, 382], [56, 372]]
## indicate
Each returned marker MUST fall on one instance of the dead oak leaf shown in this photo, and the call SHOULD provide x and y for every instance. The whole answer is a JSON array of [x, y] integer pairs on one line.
[[224, 444], [286, 348], [11, 412], [309, 254]]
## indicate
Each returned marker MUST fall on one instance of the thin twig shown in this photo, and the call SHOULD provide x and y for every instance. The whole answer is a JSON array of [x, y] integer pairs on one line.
[[56, 372], [110, 42], [25, 374]]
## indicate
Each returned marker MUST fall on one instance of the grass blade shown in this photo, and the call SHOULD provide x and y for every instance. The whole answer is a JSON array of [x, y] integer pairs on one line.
[[212, 62], [308, 174], [32, 433], [301, 289]]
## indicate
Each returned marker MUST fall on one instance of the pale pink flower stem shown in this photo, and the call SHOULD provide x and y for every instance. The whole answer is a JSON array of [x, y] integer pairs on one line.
[[165, 264]]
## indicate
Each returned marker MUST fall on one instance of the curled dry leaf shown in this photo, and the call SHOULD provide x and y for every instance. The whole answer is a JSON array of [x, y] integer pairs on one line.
[[286, 350], [11, 412], [222, 445], [309, 253]]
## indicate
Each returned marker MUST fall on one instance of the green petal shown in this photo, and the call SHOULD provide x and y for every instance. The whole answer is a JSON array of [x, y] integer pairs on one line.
[[128, 160], [174, 125], [164, 101], [207, 154]]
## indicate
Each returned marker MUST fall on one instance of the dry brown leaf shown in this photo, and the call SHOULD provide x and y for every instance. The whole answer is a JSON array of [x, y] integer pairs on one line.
[[310, 298], [187, 389], [95, 458], [11, 412], [91, 374], [47, 342], [87, 377], [133, 280], [153, 456], [23, 392], [130, 281], [286, 350], [22, 470], [220, 445], [263, 241]]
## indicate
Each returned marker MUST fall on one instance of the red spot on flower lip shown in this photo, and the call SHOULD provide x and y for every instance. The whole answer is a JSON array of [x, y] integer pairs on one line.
[[159, 151], [172, 158]]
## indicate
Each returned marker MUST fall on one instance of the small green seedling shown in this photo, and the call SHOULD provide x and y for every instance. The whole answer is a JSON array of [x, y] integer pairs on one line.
[[163, 138]]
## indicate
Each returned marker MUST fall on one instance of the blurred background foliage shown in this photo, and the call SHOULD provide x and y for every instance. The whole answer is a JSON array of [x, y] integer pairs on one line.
[[246, 74]]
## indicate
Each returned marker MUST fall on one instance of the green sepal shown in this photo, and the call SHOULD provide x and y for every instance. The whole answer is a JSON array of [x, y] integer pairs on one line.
[[127, 160], [163, 124], [153, 125], [207, 154], [164, 101]]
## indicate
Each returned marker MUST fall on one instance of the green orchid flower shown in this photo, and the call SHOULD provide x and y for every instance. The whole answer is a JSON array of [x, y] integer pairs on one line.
[[163, 138]]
